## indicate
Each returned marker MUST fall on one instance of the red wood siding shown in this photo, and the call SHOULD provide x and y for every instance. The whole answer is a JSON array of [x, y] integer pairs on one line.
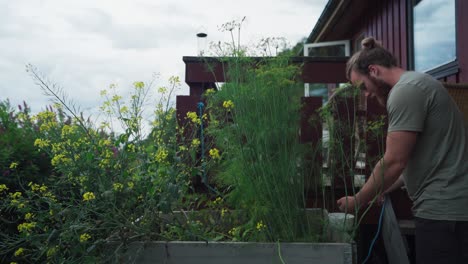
[[388, 25]]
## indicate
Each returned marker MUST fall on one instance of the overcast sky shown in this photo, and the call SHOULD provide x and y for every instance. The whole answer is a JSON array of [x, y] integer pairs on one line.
[[85, 45]]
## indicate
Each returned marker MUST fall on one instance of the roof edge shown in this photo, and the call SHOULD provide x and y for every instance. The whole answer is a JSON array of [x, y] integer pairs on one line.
[[323, 20]]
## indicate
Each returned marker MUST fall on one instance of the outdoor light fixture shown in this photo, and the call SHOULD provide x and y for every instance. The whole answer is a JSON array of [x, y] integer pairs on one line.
[[201, 43]]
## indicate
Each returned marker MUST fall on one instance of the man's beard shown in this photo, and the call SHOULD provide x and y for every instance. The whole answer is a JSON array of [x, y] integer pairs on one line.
[[383, 89]]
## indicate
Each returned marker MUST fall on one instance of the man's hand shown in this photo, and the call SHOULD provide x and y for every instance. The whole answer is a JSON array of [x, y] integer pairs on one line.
[[348, 204]]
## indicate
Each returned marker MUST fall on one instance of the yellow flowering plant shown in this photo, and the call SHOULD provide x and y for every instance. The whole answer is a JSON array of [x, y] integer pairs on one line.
[[98, 181]]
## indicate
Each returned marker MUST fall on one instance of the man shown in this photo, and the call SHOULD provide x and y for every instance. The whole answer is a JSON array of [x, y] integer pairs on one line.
[[427, 143]]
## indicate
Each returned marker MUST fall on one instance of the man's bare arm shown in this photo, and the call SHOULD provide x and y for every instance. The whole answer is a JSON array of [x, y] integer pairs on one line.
[[400, 144]]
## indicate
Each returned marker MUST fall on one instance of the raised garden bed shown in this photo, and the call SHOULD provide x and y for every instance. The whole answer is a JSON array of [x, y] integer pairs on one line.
[[188, 252]]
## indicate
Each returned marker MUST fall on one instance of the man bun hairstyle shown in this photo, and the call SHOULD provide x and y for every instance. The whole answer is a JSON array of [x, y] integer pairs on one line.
[[372, 52], [370, 43]]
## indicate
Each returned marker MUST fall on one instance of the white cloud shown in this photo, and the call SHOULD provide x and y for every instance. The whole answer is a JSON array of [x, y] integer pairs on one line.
[[86, 45]]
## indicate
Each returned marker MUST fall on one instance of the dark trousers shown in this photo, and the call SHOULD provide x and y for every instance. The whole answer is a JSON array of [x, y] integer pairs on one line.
[[439, 241]]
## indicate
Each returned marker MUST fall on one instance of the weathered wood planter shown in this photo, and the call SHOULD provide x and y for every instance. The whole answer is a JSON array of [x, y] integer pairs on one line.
[[185, 252], [199, 252]]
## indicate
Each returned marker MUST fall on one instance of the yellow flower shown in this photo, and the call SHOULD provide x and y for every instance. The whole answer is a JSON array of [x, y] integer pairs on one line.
[[130, 185], [88, 196], [131, 148], [15, 195], [51, 196], [223, 212], [104, 142], [118, 187], [195, 142], [116, 98], [43, 188], [139, 85], [84, 237], [26, 227], [228, 104], [193, 117], [233, 231], [162, 90], [124, 110], [3, 187], [19, 252], [60, 159], [209, 92], [260, 226], [103, 92], [13, 262], [161, 155], [214, 153], [218, 200], [182, 148], [28, 216], [41, 143], [13, 165], [66, 130], [34, 186], [174, 79]]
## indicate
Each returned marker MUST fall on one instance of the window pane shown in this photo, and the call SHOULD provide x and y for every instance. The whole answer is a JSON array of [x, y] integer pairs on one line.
[[328, 51], [434, 33], [319, 89]]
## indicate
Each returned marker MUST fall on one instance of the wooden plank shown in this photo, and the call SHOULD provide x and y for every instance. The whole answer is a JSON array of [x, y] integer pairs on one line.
[[390, 26], [192, 252], [452, 78], [379, 20], [324, 72], [391, 234], [403, 36], [314, 70], [385, 24], [373, 23], [396, 30], [199, 72]]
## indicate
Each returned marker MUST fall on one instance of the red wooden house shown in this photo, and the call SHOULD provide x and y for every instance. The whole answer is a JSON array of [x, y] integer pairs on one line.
[[424, 35]]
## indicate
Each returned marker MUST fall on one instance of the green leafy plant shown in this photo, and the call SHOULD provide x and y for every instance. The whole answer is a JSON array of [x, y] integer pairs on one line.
[[105, 188]]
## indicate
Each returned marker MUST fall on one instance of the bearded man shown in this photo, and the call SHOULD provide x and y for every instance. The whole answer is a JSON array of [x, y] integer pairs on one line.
[[426, 149]]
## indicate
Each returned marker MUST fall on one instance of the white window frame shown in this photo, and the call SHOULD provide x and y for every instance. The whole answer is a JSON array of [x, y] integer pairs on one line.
[[308, 46]]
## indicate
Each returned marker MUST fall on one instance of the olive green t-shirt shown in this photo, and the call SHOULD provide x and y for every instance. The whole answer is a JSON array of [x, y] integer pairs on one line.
[[436, 176]]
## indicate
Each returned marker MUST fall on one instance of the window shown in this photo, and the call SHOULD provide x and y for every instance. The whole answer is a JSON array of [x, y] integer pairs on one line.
[[433, 33], [339, 48], [327, 49]]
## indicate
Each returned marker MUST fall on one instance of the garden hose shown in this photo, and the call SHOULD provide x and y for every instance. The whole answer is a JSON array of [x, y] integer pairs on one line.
[[378, 230], [200, 107]]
